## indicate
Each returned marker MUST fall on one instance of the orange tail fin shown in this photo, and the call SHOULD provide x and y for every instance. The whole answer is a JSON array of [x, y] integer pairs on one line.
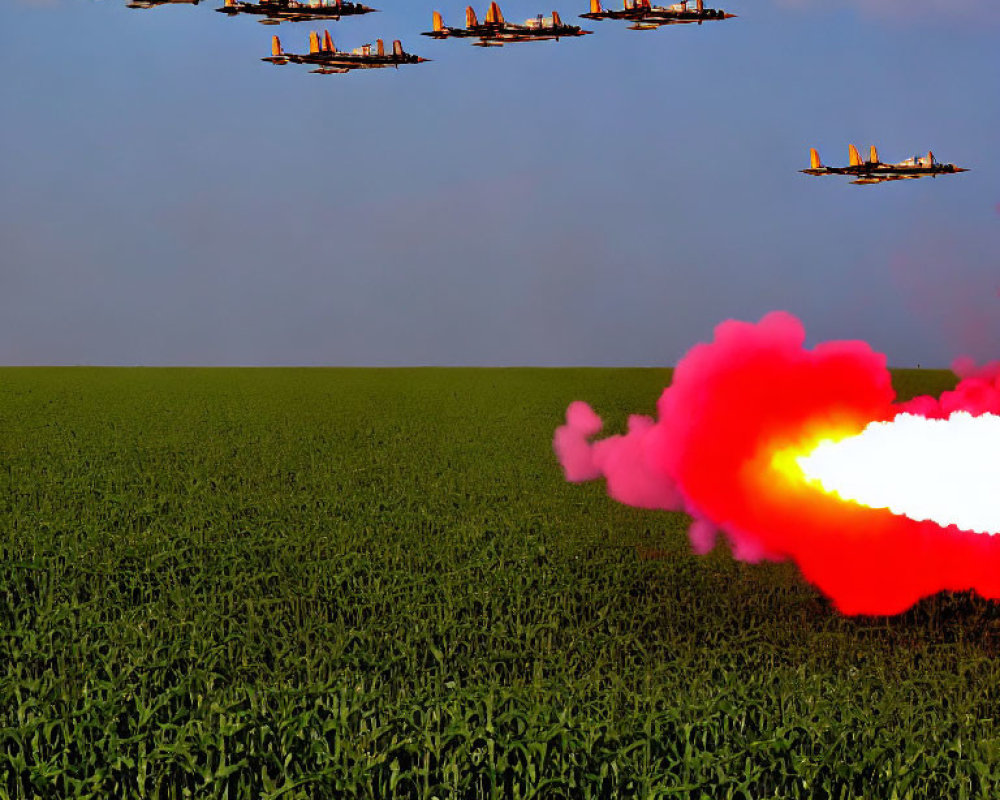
[[471, 21], [380, 47], [397, 48], [873, 155], [855, 156], [328, 42], [276, 46], [438, 22], [556, 20], [595, 7], [814, 162], [313, 42]]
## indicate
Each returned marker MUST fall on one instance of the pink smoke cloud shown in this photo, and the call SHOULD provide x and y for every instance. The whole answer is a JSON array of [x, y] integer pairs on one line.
[[632, 477], [714, 451]]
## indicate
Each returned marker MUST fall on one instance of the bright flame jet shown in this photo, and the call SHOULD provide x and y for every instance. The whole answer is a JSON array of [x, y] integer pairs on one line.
[[330, 61], [277, 11], [647, 17], [875, 171], [943, 470], [804, 454], [495, 31]]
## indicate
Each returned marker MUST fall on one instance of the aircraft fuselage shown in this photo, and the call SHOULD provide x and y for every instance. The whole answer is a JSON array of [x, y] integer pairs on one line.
[[874, 171], [519, 33], [495, 31], [647, 17], [328, 60], [155, 3], [278, 11]]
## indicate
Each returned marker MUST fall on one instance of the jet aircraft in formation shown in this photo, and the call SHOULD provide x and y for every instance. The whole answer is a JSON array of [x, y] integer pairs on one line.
[[647, 17], [875, 171], [328, 60], [495, 31], [278, 11]]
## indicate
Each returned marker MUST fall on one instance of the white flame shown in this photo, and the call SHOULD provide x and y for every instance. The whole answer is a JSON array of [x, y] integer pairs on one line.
[[943, 470]]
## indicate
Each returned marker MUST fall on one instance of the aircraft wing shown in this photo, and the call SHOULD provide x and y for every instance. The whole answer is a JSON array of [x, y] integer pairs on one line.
[[869, 179]]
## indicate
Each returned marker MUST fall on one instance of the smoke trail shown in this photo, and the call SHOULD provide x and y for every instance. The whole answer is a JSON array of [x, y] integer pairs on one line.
[[724, 448]]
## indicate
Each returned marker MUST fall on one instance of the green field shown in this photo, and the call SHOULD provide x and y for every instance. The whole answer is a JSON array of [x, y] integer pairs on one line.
[[375, 583]]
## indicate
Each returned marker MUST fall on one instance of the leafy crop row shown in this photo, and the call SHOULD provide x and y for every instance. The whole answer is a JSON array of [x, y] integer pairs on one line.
[[375, 583]]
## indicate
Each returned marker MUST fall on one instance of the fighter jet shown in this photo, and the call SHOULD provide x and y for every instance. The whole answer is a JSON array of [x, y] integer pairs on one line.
[[495, 31], [155, 3], [646, 17], [875, 171], [330, 61], [278, 11]]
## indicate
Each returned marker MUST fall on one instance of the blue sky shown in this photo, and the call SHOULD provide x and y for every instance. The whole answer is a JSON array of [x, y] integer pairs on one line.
[[168, 198]]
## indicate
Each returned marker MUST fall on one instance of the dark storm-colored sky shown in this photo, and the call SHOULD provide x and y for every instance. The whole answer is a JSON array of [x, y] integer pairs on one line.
[[168, 198]]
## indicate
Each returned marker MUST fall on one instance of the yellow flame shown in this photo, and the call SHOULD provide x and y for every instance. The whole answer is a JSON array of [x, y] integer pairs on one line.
[[787, 460]]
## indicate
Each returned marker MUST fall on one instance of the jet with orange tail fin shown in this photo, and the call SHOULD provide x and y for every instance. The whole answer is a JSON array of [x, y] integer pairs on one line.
[[328, 60], [495, 31], [278, 11], [875, 171], [646, 17]]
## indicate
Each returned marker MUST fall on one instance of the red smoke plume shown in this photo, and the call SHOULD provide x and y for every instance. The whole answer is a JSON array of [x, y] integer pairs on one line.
[[734, 417]]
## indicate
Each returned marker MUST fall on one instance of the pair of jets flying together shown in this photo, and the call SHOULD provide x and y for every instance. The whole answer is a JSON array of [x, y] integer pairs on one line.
[[641, 13], [875, 171], [644, 16], [495, 31]]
